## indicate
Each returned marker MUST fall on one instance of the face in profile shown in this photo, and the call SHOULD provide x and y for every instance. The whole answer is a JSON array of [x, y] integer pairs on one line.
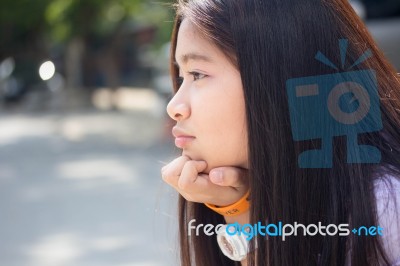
[[209, 107]]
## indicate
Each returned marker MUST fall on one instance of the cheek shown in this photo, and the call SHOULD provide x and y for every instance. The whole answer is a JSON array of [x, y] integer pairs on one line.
[[222, 115], [224, 131], [226, 149]]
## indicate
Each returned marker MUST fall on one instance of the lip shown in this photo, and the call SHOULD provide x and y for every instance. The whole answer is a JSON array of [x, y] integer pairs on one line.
[[182, 139]]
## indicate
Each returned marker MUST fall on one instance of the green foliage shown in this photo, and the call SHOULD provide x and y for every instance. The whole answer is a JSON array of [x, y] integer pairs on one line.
[[69, 18], [61, 20], [22, 14]]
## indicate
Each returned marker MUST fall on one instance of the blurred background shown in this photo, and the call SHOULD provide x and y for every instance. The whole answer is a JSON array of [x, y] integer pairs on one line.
[[83, 129], [83, 133]]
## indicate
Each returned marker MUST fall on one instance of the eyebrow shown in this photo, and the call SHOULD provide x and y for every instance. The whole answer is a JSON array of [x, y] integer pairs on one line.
[[193, 56]]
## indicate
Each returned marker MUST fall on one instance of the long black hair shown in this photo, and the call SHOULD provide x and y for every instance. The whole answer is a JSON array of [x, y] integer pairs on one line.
[[271, 41]]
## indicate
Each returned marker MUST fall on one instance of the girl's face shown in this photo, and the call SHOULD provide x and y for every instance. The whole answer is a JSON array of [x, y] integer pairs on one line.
[[209, 107]]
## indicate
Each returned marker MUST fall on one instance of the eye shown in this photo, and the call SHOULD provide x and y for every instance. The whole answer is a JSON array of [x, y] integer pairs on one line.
[[197, 75], [179, 81]]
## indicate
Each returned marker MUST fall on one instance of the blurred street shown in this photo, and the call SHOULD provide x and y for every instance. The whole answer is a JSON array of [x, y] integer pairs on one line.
[[82, 187]]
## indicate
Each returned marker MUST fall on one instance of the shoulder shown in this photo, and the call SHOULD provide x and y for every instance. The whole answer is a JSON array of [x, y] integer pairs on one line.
[[387, 193]]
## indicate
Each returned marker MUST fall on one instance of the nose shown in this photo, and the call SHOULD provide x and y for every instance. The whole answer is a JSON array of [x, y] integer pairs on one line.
[[178, 109]]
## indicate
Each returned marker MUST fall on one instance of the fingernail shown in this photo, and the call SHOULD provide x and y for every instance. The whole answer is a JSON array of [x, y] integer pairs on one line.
[[216, 176]]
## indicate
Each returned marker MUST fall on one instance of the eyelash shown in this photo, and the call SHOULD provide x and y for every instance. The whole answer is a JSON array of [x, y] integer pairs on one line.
[[192, 73], [179, 81]]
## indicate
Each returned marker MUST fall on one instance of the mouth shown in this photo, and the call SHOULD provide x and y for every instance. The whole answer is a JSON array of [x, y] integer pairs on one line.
[[182, 139]]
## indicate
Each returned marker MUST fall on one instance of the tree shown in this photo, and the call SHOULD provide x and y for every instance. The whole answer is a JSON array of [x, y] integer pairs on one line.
[[33, 27]]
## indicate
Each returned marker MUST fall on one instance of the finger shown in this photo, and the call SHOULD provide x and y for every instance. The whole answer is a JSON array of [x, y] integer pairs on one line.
[[171, 172], [229, 176], [190, 173]]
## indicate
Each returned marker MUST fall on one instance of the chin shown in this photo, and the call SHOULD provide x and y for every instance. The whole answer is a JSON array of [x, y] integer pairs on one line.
[[192, 155], [196, 157], [212, 162], [187, 153]]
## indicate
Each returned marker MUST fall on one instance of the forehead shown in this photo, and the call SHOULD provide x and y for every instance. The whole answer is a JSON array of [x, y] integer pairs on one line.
[[194, 46]]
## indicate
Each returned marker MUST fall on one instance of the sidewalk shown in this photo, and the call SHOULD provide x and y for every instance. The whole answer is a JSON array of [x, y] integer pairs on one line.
[[82, 187]]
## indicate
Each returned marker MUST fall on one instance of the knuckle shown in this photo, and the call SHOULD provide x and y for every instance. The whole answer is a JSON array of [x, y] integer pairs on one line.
[[190, 164], [188, 197], [183, 184], [164, 172], [185, 158], [163, 175], [165, 179]]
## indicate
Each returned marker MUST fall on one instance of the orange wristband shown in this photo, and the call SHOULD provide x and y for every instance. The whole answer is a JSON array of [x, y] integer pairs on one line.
[[234, 209]]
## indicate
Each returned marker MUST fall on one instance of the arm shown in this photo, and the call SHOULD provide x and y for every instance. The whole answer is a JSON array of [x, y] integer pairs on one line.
[[223, 186]]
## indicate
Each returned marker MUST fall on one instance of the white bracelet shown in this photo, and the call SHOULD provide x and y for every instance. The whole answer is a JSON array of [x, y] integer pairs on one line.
[[235, 246]]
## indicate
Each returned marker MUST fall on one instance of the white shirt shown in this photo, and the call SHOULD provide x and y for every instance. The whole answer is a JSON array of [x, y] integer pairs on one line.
[[388, 209]]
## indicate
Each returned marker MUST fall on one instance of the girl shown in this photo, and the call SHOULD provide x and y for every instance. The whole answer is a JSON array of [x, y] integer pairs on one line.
[[235, 65]]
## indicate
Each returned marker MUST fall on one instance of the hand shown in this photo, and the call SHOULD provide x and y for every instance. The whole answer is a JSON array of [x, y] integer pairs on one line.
[[222, 187]]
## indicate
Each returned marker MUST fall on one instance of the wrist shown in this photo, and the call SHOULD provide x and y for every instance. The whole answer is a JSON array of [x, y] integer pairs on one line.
[[242, 218], [235, 209]]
